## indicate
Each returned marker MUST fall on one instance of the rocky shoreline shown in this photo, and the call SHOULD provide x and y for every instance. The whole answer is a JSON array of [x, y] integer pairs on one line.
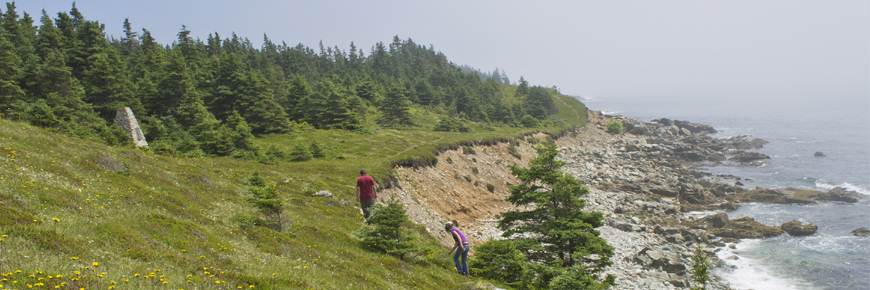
[[652, 191], [649, 182]]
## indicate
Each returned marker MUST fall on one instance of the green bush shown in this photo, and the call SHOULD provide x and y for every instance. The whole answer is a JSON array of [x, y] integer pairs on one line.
[[614, 127], [316, 150], [468, 150], [700, 272], [264, 196], [500, 261], [275, 152], [299, 153], [579, 278], [490, 187], [530, 122], [451, 124], [388, 231]]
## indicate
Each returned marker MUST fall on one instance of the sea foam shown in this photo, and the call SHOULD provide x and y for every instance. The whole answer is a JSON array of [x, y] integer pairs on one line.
[[862, 189], [747, 273]]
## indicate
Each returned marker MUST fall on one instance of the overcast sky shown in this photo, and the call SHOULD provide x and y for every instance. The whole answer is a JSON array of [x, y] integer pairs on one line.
[[595, 49]]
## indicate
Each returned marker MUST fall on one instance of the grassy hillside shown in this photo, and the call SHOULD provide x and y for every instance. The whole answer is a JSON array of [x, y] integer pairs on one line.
[[78, 214]]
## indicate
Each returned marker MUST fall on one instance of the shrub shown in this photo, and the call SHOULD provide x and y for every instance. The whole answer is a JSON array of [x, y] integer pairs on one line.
[[579, 278], [490, 187], [264, 196], [449, 160], [387, 231], [700, 273], [614, 127], [451, 124], [275, 152], [299, 153], [530, 122], [316, 150], [468, 150], [501, 261], [475, 170]]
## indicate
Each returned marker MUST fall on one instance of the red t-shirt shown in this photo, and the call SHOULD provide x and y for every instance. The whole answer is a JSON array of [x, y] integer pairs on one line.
[[365, 184]]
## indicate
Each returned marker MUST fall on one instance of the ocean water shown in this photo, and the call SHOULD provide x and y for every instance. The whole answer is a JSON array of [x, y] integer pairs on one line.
[[796, 128]]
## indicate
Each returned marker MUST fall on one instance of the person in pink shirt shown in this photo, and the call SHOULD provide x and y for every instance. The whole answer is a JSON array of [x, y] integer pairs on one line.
[[462, 244], [365, 192]]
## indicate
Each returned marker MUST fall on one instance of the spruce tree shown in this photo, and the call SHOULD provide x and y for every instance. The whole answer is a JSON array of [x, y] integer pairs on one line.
[[265, 197], [316, 150], [106, 84], [256, 103], [556, 234], [9, 62], [395, 109], [387, 232], [335, 113]]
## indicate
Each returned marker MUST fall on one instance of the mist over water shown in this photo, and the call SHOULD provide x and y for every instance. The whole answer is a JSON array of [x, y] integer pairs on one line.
[[796, 128]]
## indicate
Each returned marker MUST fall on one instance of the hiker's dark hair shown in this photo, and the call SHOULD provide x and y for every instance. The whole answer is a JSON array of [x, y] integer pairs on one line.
[[362, 171]]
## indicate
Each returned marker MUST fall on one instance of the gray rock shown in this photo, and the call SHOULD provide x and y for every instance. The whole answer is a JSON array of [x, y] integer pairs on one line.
[[718, 220], [861, 232], [323, 193], [745, 157], [795, 228], [819, 154]]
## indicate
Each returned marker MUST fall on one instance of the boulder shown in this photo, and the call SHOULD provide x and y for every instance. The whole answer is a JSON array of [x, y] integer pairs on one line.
[[745, 157], [323, 193], [718, 220], [794, 228], [819, 154], [861, 232], [728, 206], [664, 121], [695, 127], [745, 228], [841, 194]]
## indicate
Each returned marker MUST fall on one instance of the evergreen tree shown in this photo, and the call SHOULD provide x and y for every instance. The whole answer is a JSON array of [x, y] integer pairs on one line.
[[106, 84], [299, 153], [316, 150], [176, 83], [501, 261], [256, 103], [395, 109], [9, 62], [265, 197], [130, 41], [387, 232], [335, 113], [239, 133], [538, 102], [556, 234], [297, 101]]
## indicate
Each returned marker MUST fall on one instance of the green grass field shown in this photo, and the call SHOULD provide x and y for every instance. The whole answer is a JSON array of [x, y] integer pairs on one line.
[[77, 214]]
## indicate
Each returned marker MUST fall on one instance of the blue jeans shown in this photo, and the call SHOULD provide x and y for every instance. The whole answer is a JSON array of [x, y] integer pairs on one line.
[[463, 267]]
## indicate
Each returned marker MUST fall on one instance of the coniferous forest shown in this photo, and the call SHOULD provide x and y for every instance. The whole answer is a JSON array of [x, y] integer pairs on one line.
[[209, 97]]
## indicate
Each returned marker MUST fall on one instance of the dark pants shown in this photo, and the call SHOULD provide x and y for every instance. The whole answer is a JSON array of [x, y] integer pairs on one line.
[[365, 204]]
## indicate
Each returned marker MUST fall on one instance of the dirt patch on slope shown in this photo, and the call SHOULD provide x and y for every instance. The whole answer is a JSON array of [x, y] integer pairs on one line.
[[452, 190]]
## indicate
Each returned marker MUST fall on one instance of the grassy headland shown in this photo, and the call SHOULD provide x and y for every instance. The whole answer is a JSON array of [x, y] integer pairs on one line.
[[80, 214]]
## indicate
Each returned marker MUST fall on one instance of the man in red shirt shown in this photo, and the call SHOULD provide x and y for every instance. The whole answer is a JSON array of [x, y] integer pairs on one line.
[[365, 192]]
